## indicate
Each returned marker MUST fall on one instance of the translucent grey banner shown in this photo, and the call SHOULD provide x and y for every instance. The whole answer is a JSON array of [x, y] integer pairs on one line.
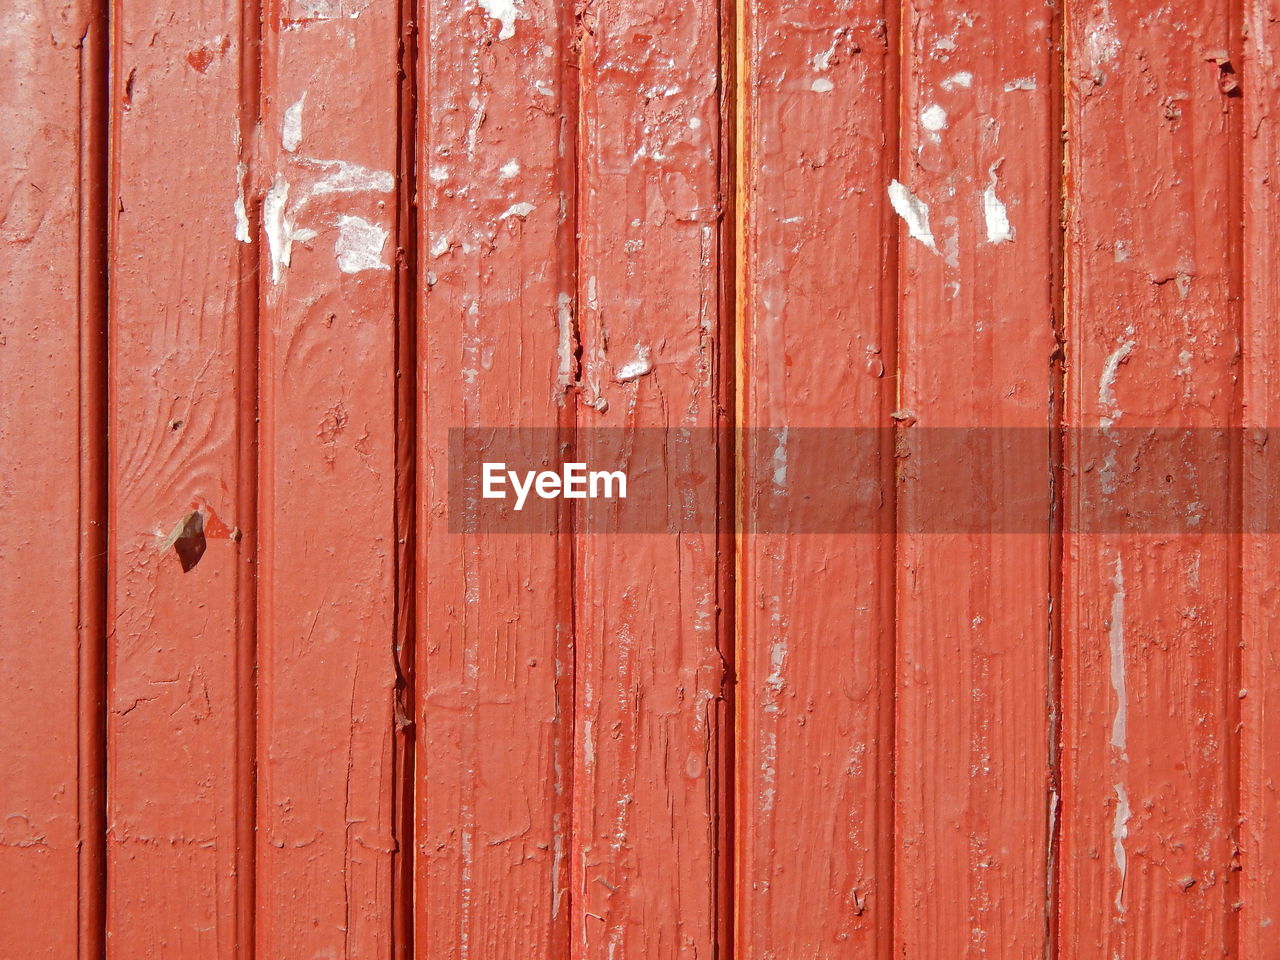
[[905, 479]]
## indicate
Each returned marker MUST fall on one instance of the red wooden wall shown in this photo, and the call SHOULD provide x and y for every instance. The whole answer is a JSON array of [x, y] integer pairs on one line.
[[264, 698]]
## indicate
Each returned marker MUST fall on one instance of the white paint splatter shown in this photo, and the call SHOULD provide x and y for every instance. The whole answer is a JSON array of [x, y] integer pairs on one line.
[[241, 213], [1102, 44], [506, 12], [780, 459], [509, 169], [914, 212], [1119, 723], [291, 127], [822, 85], [344, 177], [359, 245], [994, 213], [962, 78], [1119, 834], [1021, 83], [521, 210], [279, 241], [442, 245], [777, 660], [634, 369], [822, 60], [933, 118]]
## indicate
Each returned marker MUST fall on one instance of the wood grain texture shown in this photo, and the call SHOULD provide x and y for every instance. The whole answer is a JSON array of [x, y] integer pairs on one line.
[[494, 664], [817, 141], [1260, 640], [650, 877], [976, 348], [327, 572], [1151, 628], [52, 322], [181, 408]]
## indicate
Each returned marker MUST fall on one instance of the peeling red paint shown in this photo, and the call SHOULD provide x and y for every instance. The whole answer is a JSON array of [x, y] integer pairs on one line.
[[264, 696]]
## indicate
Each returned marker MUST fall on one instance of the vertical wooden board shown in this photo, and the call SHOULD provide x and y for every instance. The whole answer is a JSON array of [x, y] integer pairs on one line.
[[976, 373], [494, 667], [328, 465], [814, 808], [179, 838], [51, 324], [1259, 688], [649, 868], [1150, 618]]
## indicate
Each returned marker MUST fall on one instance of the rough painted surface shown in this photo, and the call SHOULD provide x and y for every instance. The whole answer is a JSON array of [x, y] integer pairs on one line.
[[1150, 682], [180, 747], [334, 721], [973, 790], [51, 530], [1260, 588], [495, 671], [327, 576], [650, 873], [814, 740]]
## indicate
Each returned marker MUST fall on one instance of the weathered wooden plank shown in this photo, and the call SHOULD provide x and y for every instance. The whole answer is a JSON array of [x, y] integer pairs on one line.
[[180, 614], [977, 195], [327, 571], [1259, 839], [1150, 618], [494, 667], [650, 870], [52, 322], [817, 142]]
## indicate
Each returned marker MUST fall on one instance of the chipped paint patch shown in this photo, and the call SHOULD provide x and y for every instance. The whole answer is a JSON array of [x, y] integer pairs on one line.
[[279, 228], [1119, 834], [359, 245], [914, 212], [822, 60], [239, 208], [1107, 381], [634, 369], [933, 118], [995, 214], [1119, 723], [564, 341], [291, 126], [279, 243], [1102, 43], [506, 12], [344, 177], [509, 169], [822, 85], [442, 245], [521, 210], [780, 459], [1021, 83], [961, 78]]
